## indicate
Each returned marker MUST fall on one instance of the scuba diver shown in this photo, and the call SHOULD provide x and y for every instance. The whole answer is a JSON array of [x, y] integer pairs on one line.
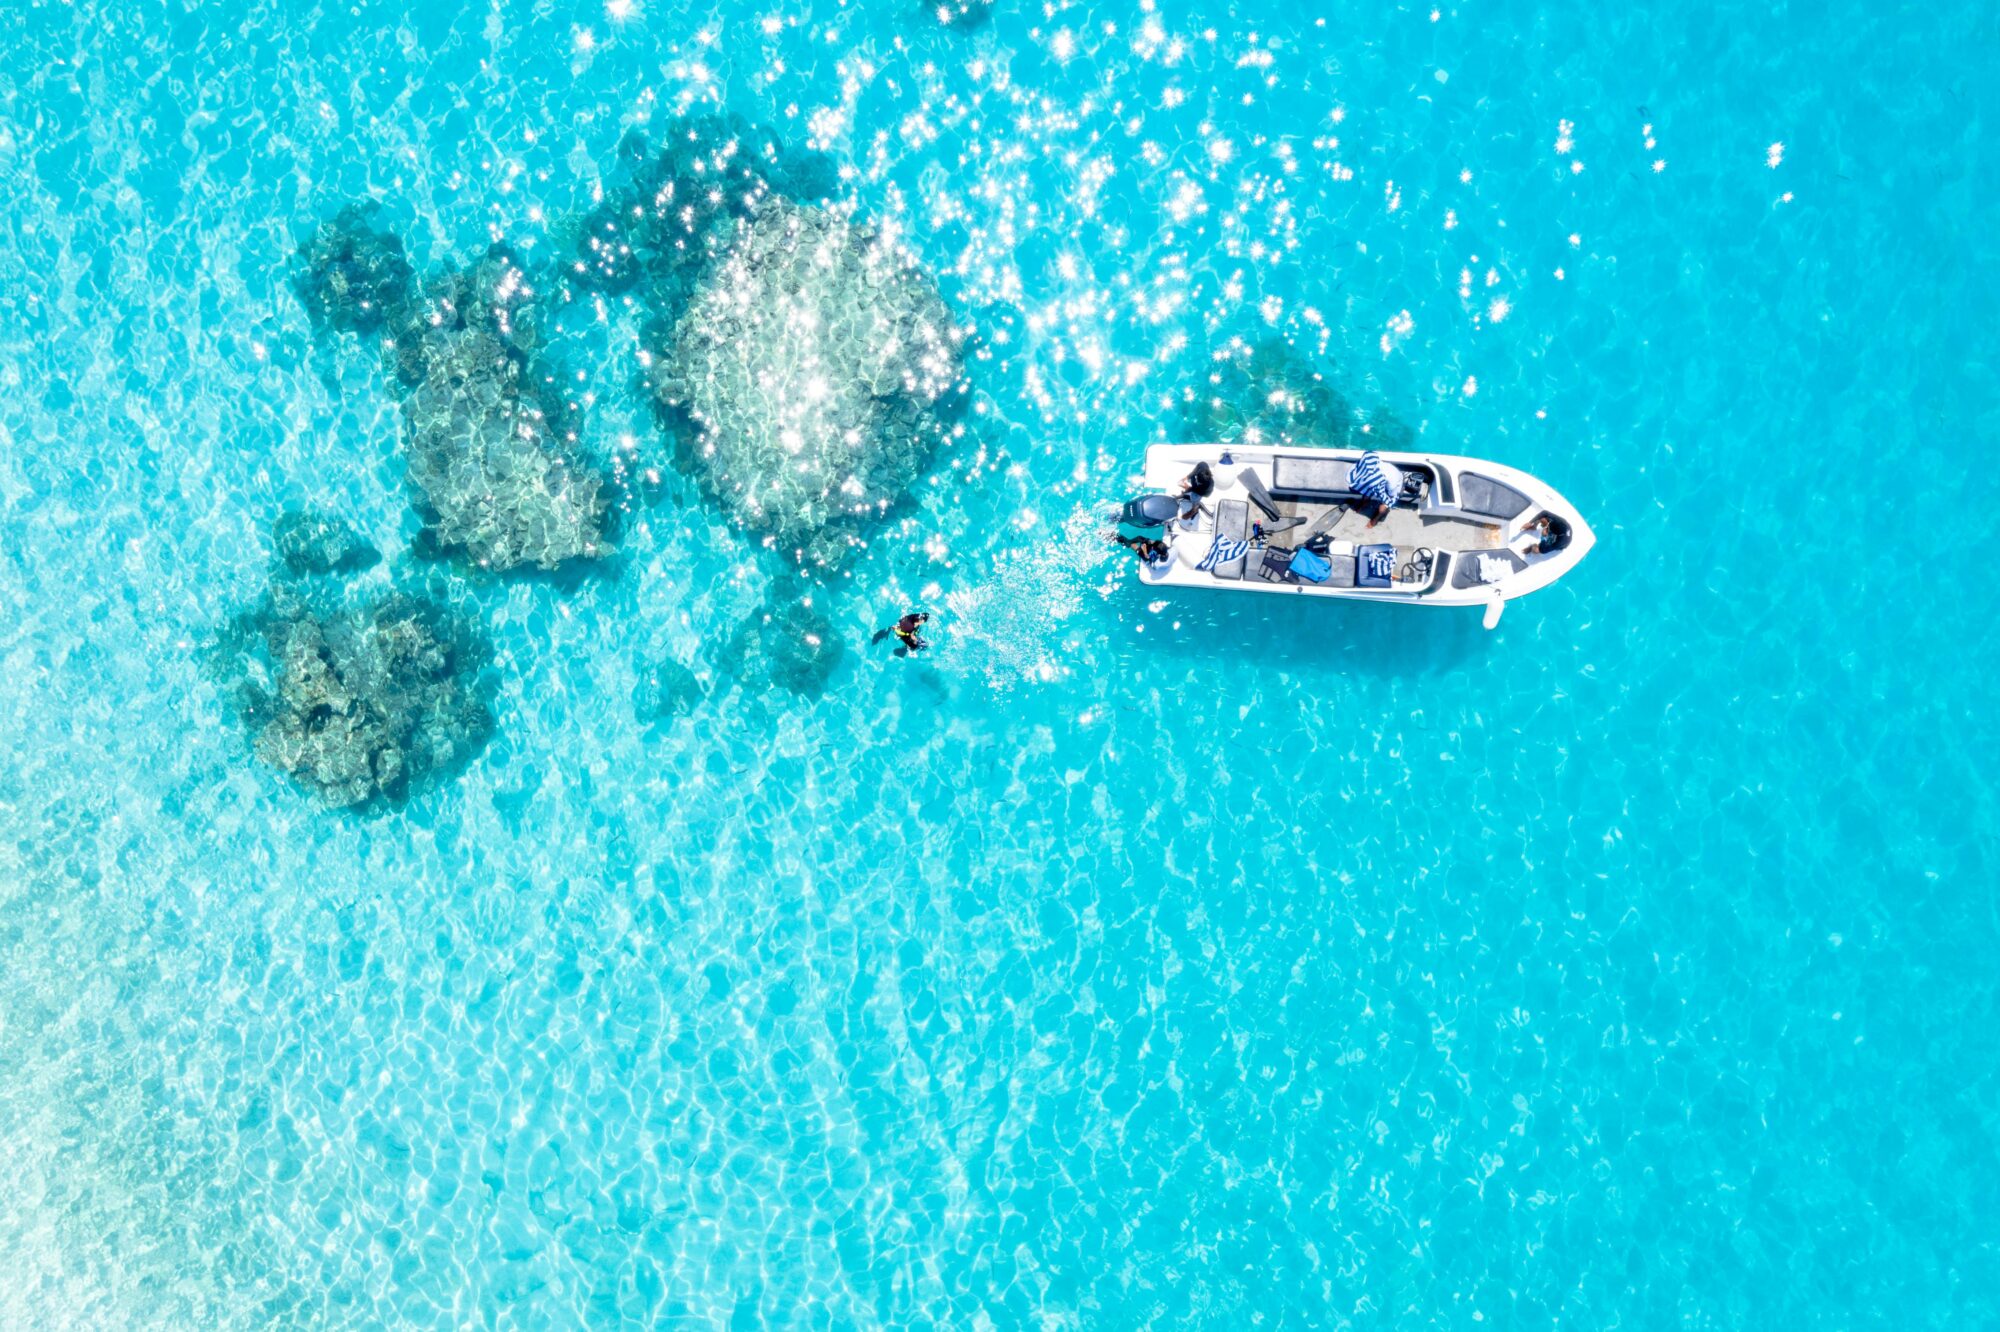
[[906, 633]]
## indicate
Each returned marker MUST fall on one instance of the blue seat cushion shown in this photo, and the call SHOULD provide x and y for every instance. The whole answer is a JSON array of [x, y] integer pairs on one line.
[[1375, 565]]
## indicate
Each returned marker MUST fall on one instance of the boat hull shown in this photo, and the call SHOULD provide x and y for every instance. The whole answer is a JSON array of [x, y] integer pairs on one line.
[[1470, 523]]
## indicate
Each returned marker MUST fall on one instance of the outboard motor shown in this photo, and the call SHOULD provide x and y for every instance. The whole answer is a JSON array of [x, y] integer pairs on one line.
[[1150, 511], [1415, 487]]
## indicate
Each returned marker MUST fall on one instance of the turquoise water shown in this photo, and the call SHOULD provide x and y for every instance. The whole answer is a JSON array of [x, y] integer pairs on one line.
[[1116, 964]]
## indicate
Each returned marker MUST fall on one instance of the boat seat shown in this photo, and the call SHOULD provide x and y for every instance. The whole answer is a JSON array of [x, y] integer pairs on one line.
[[1232, 523], [1465, 566], [1273, 565], [1484, 495], [1319, 477]]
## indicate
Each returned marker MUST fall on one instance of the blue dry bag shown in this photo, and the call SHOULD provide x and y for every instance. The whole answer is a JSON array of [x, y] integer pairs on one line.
[[1313, 568]]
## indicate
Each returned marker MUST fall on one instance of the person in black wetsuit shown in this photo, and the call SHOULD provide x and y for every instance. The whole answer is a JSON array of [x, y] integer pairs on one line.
[[1150, 549], [905, 631]]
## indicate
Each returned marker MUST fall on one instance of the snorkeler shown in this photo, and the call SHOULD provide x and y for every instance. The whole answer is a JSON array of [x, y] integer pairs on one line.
[[906, 633]]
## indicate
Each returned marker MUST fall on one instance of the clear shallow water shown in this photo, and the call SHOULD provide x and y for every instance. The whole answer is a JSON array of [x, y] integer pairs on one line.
[[1110, 967]]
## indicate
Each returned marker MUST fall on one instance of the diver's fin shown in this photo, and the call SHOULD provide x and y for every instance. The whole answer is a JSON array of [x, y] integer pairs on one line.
[[1323, 523], [1259, 496]]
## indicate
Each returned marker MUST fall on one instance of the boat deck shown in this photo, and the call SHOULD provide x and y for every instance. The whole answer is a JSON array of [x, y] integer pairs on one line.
[[1403, 527]]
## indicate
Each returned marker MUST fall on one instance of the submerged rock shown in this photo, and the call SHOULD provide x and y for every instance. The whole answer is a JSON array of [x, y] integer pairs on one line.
[[1267, 393], [492, 462], [671, 691], [492, 295], [360, 705], [676, 205], [788, 644], [811, 375], [492, 477], [352, 276], [311, 542], [496, 472]]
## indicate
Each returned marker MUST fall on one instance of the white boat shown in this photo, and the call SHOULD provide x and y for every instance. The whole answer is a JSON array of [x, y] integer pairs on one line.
[[1459, 533]]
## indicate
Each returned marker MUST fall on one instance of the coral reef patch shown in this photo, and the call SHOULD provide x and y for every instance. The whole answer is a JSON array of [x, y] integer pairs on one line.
[[493, 463], [311, 542], [351, 275], [358, 706], [1266, 393], [812, 373], [673, 208], [670, 690], [789, 644], [495, 469]]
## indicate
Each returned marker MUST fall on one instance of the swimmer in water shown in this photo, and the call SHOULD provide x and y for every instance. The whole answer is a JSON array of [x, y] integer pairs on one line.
[[906, 633]]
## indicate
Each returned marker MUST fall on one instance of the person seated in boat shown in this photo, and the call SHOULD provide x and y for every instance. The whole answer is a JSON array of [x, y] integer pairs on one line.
[[1544, 536], [1183, 506], [1195, 487], [1375, 485], [1199, 483]]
